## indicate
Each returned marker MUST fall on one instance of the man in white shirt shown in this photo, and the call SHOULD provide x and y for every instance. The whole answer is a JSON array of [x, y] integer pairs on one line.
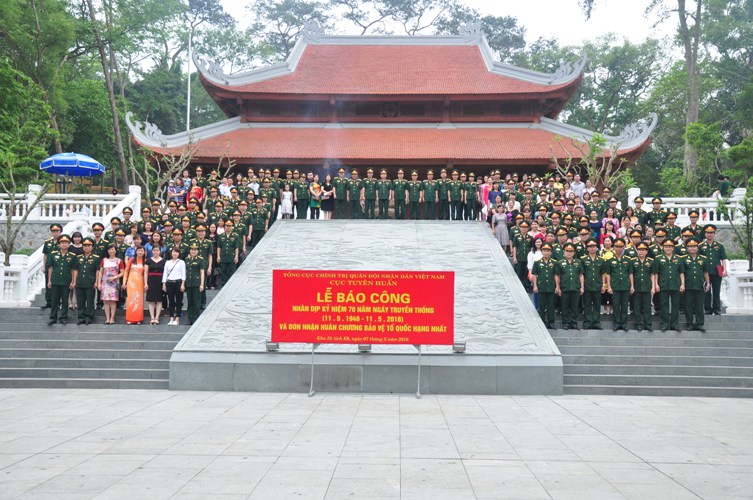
[[577, 186], [225, 187]]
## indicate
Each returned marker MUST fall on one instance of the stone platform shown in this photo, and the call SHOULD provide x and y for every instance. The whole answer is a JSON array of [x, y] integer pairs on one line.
[[508, 349]]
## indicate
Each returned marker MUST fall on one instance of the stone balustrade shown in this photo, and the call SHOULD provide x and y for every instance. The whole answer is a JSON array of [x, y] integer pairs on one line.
[[708, 207], [59, 207]]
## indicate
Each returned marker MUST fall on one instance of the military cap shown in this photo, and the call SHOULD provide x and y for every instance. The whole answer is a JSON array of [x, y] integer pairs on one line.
[[156, 202], [233, 190], [656, 200], [177, 230], [568, 217], [182, 207], [276, 170], [120, 232], [267, 171], [569, 174], [354, 171], [58, 227], [201, 215], [87, 241], [510, 182], [671, 215], [583, 218], [612, 199], [619, 242], [570, 203], [295, 171], [668, 242], [642, 246], [595, 194], [515, 175], [370, 170], [193, 200], [546, 246], [258, 200], [115, 219], [635, 233], [561, 231], [606, 190], [693, 213], [96, 225], [415, 172], [555, 214], [530, 191], [557, 202], [219, 204], [688, 232], [462, 174], [691, 243], [401, 171], [171, 204], [519, 216], [472, 175], [64, 238], [710, 228], [185, 219], [445, 171], [235, 212], [146, 210], [584, 230], [229, 222], [243, 202], [193, 246], [199, 169], [455, 172], [524, 224], [288, 171], [384, 171], [638, 199], [167, 223], [591, 242], [568, 246], [128, 210], [339, 170]]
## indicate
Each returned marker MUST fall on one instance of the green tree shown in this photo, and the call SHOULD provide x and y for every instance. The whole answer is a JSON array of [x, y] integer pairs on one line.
[[742, 221]]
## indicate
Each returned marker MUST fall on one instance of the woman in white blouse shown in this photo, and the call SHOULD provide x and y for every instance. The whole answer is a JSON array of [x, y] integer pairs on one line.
[[174, 284]]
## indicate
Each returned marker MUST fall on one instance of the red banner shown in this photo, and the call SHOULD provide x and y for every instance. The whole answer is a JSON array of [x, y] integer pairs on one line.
[[363, 307]]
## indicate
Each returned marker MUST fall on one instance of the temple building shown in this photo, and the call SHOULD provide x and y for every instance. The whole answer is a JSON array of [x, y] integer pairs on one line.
[[390, 101]]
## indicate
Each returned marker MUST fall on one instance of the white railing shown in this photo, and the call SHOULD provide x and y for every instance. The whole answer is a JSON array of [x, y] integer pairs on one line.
[[708, 207], [24, 278], [737, 288], [60, 207]]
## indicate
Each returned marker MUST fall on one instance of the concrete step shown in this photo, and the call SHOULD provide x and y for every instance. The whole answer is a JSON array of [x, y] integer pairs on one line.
[[113, 344], [85, 373], [86, 333], [742, 333], [632, 390], [621, 341], [88, 353], [685, 370], [658, 380], [32, 327], [142, 364], [711, 326], [67, 383], [653, 359], [642, 350]]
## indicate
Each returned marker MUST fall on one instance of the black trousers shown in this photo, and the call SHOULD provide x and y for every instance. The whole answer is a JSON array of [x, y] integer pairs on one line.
[[301, 209], [85, 300], [370, 205], [570, 309], [471, 211], [384, 206], [521, 269], [399, 209], [546, 308], [355, 209], [430, 210], [194, 303], [591, 309], [669, 309], [174, 298], [414, 211], [694, 308], [620, 299], [642, 309], [444, 209], [713, 302], [59, 302], [340, 208], [256, 236], [455, 211]]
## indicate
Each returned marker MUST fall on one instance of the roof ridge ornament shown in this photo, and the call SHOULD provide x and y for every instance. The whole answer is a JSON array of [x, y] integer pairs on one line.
[[210, 68], [472, 31], [568, 70], [312, 31], [638, 131], [151, 133]]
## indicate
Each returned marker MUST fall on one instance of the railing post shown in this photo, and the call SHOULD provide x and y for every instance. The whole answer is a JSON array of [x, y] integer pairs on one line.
[[737, 195], [31, 197], [22, 286], [2, 276], [633, 193], [135, 192]]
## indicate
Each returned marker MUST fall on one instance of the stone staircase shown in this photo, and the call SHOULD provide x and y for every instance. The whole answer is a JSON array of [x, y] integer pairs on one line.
[[100, 356], [716, 363]]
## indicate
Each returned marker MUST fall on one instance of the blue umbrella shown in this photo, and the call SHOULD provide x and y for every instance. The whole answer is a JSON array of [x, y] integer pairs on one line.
[[72, 164]]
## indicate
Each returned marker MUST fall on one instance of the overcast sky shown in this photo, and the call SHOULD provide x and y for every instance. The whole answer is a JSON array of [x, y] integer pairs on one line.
[[562, 19]]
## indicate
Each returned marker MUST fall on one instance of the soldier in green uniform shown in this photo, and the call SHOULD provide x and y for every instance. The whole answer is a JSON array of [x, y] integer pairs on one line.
[[301, 197], [631, 249], [270, 193], [369, 194], [558, 248], [593, 285], [429, 190], [399, 186], [227, 252], [673, 231], [718, 265], [120, 245], [259, 223], [201, 181], [656, 248], [669, 279], [50, 245], [694, 227], [618, 284], [384, 193], [114, 226], [414, 195], [340, 184], [572, 231], [521, 244], [658, 214], [455, 196], [544, 284], [275, 183], [470, 197], [640, 214], [463, 205], [241, 232], [612, 203], [443, 189], [579, 241], [195, 275], [355, 193], [206, 250], [188, 232], [218, 214], [179, 243], [696, 283], [146, 216], [85, 279], [642, 287], [59, 270], [570, 285]]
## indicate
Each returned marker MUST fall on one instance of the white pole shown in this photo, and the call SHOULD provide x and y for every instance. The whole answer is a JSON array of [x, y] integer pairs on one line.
[[188, 66]]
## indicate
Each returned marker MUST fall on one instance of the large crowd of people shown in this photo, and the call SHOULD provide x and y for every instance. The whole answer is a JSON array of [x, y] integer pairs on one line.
[[571, 245]]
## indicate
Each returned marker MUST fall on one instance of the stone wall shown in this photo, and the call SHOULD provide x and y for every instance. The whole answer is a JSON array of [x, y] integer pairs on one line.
[[32, 234]]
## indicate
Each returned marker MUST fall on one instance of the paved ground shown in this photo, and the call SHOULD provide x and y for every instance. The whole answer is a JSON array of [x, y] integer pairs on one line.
[[157, 444]]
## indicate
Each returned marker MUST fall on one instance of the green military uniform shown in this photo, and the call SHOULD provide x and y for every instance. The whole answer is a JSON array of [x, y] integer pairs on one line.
[[696, 273], [455, 188], [470, 192], [414, 197], [302, 199], [194, 269], [569, 273], [430, 189], [618, 270], [716, 254], [206, 250], [669, 272], [522, 245], [49, 246], [259, 224], [60, 268], [384, 186], [697, 231], [341, 196], [642, 271], [443, 187], [86, 268], [227, 244], [593, 282], [544, 271], [369, 197], [399, 187], [354, 195], [655, 216]]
